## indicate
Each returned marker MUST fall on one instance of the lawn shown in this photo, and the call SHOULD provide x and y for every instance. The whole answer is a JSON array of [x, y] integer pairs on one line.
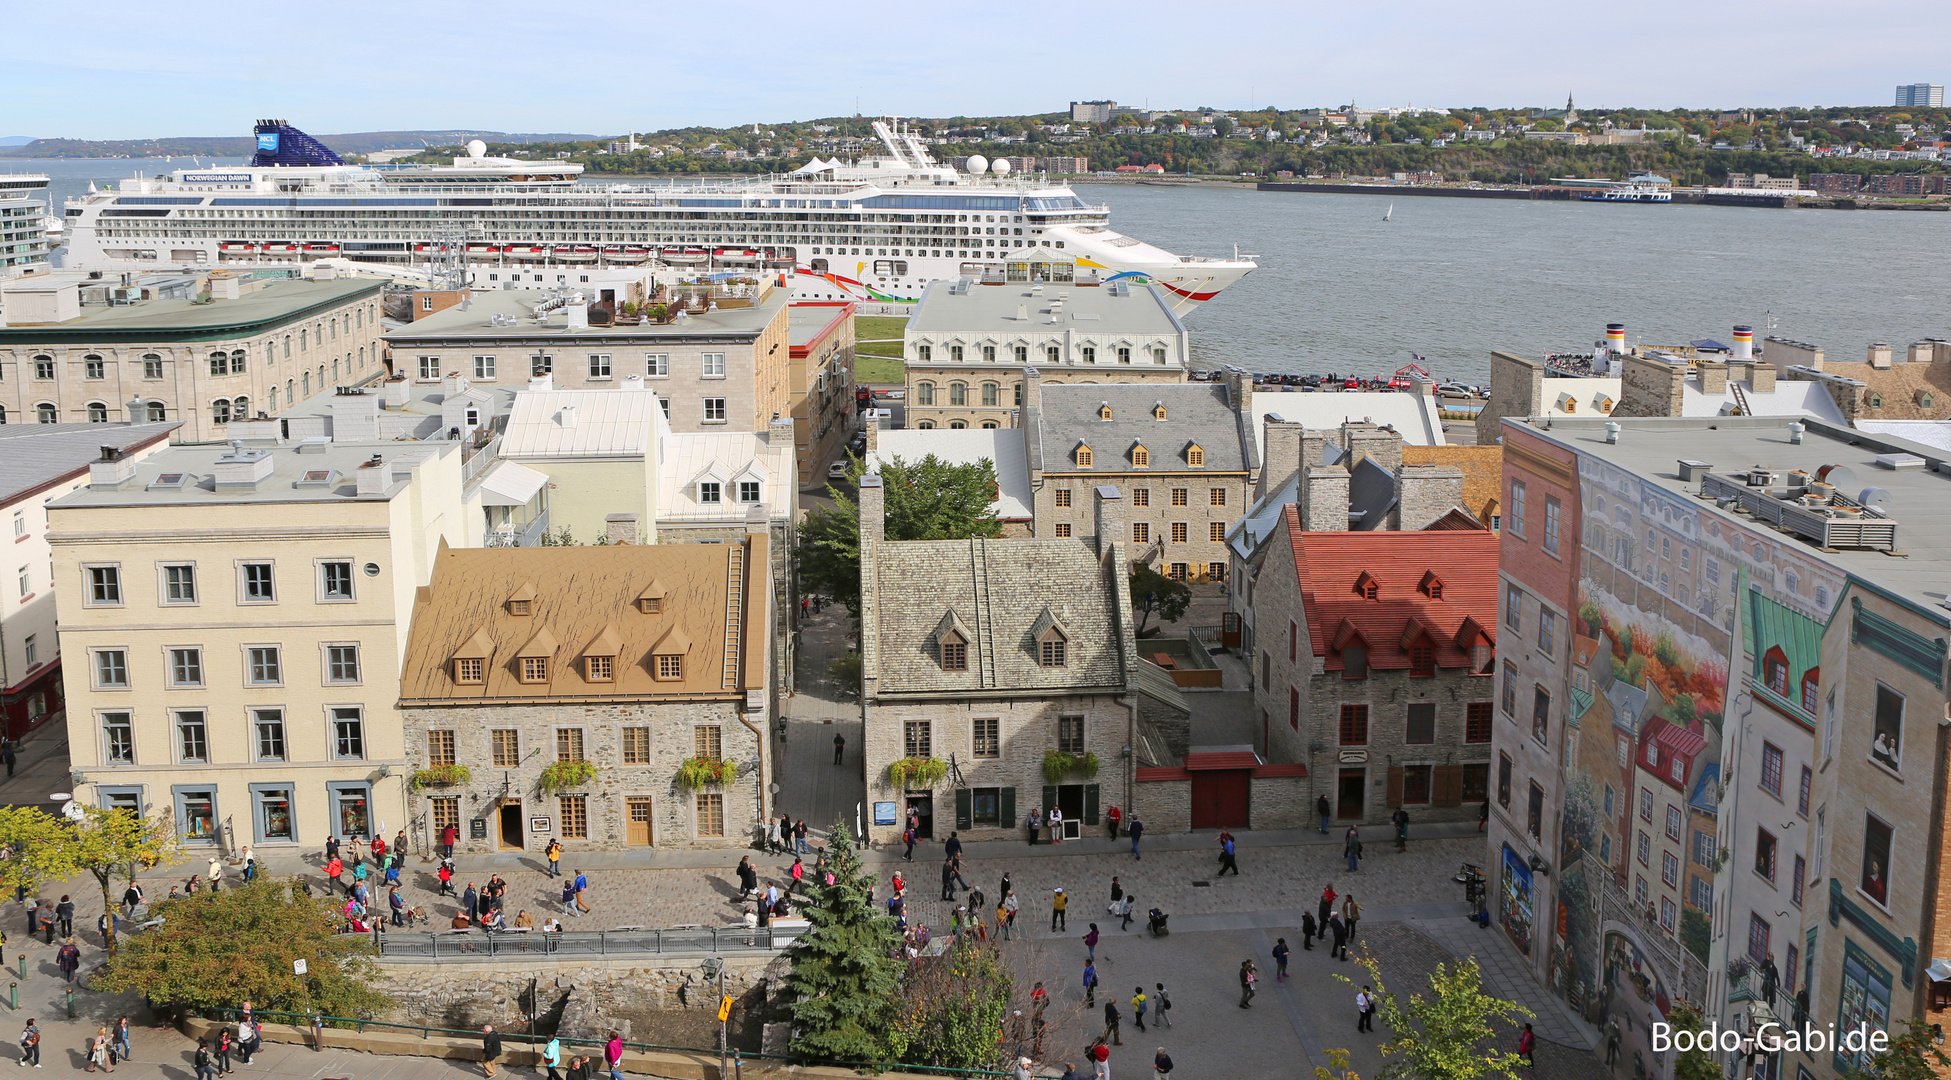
[[879, 327], [880, 370]]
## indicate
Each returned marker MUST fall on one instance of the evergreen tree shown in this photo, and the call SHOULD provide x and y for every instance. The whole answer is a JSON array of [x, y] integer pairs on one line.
[[845, 976]]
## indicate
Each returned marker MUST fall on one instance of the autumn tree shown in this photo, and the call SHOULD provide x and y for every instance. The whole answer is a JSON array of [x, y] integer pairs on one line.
[[108, 844], [1445, 1035]]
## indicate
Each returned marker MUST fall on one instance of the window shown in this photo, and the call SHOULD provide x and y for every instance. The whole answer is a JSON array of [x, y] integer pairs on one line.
[[192, 737], [265, 666], [711, 814], [1180, 496], [1802, 792], [1354, 660], [572, 813], [1422, 658], [986, 737], [469, 669], [342, 663], [1476, 782], [1771, 769], [348, 733], [1052, 650], [1673, 822], [599, 668], [636, 745], [1504, 780], [186, 667], [1535, 812], [1551, 525], [440, 748], [179, 584], [1514, 607], [104, 585], [1090, 354], [152, 366], [1051, 353], [334, 581], [958, 393], [1886, 747], [709, 491], [1801, 876], [1758, 935], [1062, 496], [670, 667], [569, 744], [1420, 726], [118, 738], [714, 410], [1416, 783], [1216, 571], [1354, 724], [955, 652], [1670, 869], [1875, 882], [1645, 847], [46, 413], [1774, 671], [657, 365], [532, 669], [111, 669], [1811, 686], [430, 368], [713, 365], [1294, 707], [1141, 532], [1141, 496], [220, 411], [1765, 845], [991, 394], [219, 363], [540, 364], [1178, 532], [1540, 714], [1704, 848], [917, 739], [1509, 695], [1639, 889], [1084, 456], [1063, 530], [1517, 508], [1646, 804], [259, 586], [748, 491], [1547, 630], [1070, 734], [269, 724], [925, 393], [505, 748], [484, 367]]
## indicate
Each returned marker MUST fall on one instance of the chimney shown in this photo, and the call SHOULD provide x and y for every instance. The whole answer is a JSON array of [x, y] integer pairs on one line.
[[1239, 390], [758, 520], [1283, 441], [1516, 387], [1616, 338], [1653, 386], [633, 381], [355, 417], [1108, 519], [241, 469], [1761, 378], [324, 273], [137, 409], [1032, 389], [1380, 445], [396, 392], [1880, 356], [453, 383], [1425, 493], [223, 287], [1784, 353], [373, 477], [112, 471], [1744, 343], [577, 315], [566, 416], [1713, 376], [873, 532], [1324, 498], [620, 528], [541, 382], [1422, 387], [1920, 352], [873, 515], [873, 433]]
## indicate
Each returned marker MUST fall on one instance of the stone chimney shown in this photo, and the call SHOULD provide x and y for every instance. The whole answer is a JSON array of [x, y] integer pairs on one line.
[[873, 433], [1651, 386], [137, 409], [1784, 353], [620, 528], [1239, 390], [1713, 376], [373, 477], [873, 515], [223, 287], [1108, 518], [1425, 493], [1880, 356], [355, 417], [1380, 445], [453, 383], [1324, 498], [396, 392], [1761, 379], [1283, 440], [1516, 389], [1920, 352], [1032, 388], [873, 533], [112, 470]]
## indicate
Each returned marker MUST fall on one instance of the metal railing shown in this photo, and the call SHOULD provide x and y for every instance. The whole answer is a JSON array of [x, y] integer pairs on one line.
[[465, 945]]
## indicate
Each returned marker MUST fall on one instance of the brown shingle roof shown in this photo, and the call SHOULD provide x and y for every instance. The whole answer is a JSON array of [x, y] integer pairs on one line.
[[1902, 387], [1482, 468], [584, 605]]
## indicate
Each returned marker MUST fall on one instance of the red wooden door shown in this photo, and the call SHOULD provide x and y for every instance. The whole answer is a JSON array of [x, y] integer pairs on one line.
[[1219, 799]]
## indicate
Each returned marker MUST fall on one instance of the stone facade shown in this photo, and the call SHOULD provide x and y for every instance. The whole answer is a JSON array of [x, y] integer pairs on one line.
[[1165, 806], [1517, 388], [588, 995], [947, 394], [675, 730]]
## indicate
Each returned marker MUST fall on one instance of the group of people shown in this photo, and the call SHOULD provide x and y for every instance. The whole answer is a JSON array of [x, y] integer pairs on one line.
[[787, 836]]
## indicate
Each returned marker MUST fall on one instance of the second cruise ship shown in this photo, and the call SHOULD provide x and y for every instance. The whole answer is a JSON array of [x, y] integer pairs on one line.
[[878, 229]]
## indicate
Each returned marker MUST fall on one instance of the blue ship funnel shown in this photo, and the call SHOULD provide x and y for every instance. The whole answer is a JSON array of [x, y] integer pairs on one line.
[[278, 143]]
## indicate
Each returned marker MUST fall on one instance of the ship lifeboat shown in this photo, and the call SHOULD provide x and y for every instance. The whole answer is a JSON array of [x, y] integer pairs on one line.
[[526, 251], [232, 247], [422, 249], [281, 249], [321, 249], [627, 254], [483, 251], [735, 255], [684, 256], [775, 261], [578, 253]]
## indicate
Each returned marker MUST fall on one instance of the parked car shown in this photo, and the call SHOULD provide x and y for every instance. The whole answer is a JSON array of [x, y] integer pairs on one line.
[[837, 470]]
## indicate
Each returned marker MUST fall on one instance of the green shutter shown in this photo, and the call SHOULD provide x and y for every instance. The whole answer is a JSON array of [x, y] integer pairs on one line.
[[1090, 820], [964, 808], [1049, 799], [1006, 807]]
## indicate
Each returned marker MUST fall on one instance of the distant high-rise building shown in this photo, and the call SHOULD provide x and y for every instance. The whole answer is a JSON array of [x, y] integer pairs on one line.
[[1092, 112], [1915, 95]]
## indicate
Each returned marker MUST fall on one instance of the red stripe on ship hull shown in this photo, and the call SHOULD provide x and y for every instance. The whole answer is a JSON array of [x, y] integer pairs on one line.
[[1204, 296]]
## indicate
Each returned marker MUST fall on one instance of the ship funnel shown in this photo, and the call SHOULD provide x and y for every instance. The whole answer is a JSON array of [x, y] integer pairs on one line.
[[1744, 343]]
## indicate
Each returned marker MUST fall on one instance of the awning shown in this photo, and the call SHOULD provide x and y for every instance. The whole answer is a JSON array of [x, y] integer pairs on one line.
[[1940, 970], [510, 484]]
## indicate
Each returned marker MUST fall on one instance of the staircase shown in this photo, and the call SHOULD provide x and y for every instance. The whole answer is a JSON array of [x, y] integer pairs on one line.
[[985, 640], [734, 613], [1740, 399]]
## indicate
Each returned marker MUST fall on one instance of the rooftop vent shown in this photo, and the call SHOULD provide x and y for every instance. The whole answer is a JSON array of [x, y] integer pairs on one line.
[[240, 470], [1841, 523], [169, 481], [1691, 471], [1899, 461]]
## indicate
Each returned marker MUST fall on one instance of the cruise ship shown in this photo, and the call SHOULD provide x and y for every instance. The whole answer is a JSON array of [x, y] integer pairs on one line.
[[877, 229]]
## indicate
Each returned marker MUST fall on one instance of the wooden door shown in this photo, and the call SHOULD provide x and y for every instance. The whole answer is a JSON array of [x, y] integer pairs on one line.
[[1350, 796], [1220, 799], [637, 815]]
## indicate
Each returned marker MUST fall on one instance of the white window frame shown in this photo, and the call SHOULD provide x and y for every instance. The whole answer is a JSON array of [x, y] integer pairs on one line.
[[484, 367], [332, 721], [318, 579], [243, 582], [711, 365], [720, 407], [325, 676], [162, 584], [600, 361], [428, 368], [95, 682], [249, 658], [252, 721], [169, 667], [88, 585], [657, 365]]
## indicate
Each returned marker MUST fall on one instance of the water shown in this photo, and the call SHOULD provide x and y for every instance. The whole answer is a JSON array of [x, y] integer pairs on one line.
[[1452, 279], [1339, 289]]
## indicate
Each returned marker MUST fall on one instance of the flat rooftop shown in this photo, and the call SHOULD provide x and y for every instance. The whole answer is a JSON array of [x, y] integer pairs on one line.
[[808, 323], [1919, 571], [271, 303], [323, 472], [32, 455], [947, 308], [475, 321]]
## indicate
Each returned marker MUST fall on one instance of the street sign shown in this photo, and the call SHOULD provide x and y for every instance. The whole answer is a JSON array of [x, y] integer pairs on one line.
[[724, 1008], [297, 967]]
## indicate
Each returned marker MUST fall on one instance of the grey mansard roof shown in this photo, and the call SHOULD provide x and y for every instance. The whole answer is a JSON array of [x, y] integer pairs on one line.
[[1196, 413]]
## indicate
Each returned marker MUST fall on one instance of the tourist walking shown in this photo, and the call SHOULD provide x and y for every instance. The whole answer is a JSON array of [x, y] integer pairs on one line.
[[1137, 833], [1526, 1042], [1164, 1002], [1281, 952], [1400, 819], [1058, 902], [1340, 949], [1307, 930], [68, 959], [1111, 1021], [613, 1056], [1327, 907], [221, 1051], [1248, 976], [490, 1049], [1227, 856], [1351, 913], [202, 1061], [569, 899], [1364, 1009], [65, 912], [1138, 1004], [748, 878], [448, 836], [1321, 807], [30, 1044], [799, 836], [1090, 984], [1124, 910], [1112, 818], [955, 869], [582, 886], [1090, 944], [7, 755], [552, 1058], [121, 1034], [839, 749], [1162, 1064], [1351, 847]]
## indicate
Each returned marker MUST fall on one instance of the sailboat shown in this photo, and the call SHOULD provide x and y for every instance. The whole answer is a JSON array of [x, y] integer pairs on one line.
[[1386, 214]]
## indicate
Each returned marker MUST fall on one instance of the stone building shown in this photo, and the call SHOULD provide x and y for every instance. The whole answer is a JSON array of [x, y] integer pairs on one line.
[[633, 659], [236, 349], [1182, 456], [991, 657], [968, 344], [1375, 658], [1885, 386], [822, 390], [727, 367]]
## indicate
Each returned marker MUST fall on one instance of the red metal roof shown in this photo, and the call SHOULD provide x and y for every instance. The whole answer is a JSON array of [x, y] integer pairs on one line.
[[1155, 773], [1679, 740], [1231, 759], [1330, 564], [1293, 769]]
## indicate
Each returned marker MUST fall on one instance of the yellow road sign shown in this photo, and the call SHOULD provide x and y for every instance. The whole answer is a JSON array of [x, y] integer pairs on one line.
[[725, 1008]]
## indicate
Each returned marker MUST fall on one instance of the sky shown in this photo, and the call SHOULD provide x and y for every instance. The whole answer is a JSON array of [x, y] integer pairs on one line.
[[147, 69]]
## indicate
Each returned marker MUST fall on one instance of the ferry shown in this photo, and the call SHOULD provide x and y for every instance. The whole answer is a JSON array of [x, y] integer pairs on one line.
[[878, 229], [1629, 192]]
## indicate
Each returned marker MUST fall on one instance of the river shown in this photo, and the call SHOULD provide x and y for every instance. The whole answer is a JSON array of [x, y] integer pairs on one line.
[[1339, 289]]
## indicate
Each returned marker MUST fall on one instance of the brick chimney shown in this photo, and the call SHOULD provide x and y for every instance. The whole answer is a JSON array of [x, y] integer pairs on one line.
[[1381, 445], [1651, 386], [873, 533], [1324, 498], [1713, 376], [1880, 356], [1761, 379], [1108, 518]]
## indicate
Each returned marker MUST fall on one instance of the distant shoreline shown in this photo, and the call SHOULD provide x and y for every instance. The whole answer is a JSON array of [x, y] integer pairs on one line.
[[1550, 193]]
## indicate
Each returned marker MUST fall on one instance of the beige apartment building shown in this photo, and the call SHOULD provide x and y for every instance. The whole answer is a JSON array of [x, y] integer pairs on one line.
[[235, 630], [723, 368], [968, 344], [823, 408], [72, 351]]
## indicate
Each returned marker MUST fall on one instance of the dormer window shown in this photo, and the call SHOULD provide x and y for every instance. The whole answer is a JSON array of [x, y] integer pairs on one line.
[[651, 600], [1104, 410], [1052, 649], [469, 669], [710, 492], [470, 661], [1158, 410], [599, 668], [534, 669], [670, 668], [955, 652], [667, 656], [1432, 586], [1084, 456], [532, 659], [599, 656], [519, 607], [522, 601], [1141, 457], [1367, 587], [1196, 456], [1422, 658], [1354, 660]]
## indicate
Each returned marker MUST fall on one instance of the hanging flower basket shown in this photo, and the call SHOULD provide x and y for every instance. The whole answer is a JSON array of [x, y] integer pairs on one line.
[[566, 776], [1057, 765], [703, 772], [440, 776], [916, 772]]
